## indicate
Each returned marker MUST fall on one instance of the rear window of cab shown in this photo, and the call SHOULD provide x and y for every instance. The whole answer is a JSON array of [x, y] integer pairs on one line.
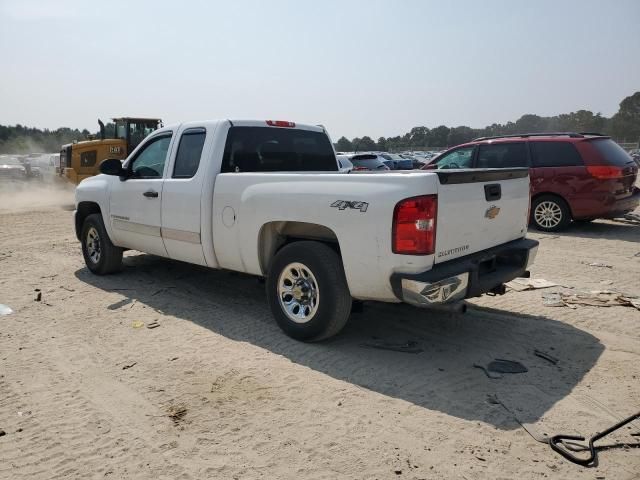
[[269, 149]]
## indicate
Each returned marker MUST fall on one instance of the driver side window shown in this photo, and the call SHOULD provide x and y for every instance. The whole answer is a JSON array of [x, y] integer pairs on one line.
[[149, 162], [460, 158]]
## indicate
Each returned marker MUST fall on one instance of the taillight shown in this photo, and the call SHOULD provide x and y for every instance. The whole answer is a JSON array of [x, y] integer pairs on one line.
[[414, 225], [280, 123], [357, 169], [604, 171]]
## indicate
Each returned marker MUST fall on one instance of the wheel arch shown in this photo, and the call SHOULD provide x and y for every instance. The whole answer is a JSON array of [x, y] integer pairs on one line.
[[83, 210], [275, 235]]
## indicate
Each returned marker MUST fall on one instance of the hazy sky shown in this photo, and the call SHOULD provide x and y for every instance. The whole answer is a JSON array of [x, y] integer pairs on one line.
[[358, 67]]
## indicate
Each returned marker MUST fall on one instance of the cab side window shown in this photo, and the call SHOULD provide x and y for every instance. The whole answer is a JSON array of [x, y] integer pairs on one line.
[[189, 153], [149, 162], [460, 158]]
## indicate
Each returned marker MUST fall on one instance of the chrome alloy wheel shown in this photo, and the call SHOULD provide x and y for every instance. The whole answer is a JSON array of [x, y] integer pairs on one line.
[[298, 292], [93, 245], [548, 214]]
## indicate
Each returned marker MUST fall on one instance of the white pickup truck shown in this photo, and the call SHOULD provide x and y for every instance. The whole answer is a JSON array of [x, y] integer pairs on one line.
[[267, 198]]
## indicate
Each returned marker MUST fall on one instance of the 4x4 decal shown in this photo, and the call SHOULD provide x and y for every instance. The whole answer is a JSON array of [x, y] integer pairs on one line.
[[344, 204]]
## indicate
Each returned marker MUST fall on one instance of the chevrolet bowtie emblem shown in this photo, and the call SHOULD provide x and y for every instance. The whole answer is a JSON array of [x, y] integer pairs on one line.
[[492, 212]]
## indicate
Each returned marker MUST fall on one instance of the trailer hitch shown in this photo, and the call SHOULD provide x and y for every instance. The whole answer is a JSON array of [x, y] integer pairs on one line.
[[557, 443]]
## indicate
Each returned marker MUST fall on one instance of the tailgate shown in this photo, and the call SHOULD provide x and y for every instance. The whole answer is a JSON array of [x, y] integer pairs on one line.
[[479, 209]]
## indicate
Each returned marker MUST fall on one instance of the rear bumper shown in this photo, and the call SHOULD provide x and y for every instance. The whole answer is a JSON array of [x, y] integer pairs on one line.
[[611, 207], [466, 277], [626, 205]]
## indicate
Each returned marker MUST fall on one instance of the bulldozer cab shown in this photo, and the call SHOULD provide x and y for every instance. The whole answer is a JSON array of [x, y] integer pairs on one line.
[[134, 130], [80, 160]]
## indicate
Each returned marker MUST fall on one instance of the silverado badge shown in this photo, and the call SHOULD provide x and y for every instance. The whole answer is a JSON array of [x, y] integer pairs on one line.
[[492, 212]]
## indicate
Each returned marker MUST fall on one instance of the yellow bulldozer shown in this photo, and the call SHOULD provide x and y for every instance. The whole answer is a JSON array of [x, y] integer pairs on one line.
[[79, 160]]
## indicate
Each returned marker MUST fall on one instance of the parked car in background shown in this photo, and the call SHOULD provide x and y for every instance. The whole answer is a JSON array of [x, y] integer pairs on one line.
[[18, 169], [11, 169], [396, 162], [416, 162], [344, 163], [574, 176], [367, 161]]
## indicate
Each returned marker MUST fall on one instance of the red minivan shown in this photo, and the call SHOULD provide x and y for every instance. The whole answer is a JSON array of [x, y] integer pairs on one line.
[[574, 176]]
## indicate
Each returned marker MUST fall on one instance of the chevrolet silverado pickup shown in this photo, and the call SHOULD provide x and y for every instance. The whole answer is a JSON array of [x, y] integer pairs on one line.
[[267, 198]]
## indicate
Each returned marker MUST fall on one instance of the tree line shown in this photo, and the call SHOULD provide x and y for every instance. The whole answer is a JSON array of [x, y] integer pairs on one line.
[[20, 139], [624, 127]]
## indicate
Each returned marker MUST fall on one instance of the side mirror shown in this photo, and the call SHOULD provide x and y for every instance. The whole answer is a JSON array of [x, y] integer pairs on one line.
[[112, 166]]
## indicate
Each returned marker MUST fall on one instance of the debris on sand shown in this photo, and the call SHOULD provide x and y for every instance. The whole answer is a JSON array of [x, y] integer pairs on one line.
[[176, 413], [137, 324], [38, 295], [492, 376], [500, 365], [598, 264], [5, 310], [546, 356], [633, 217], [126, 367], [521, 284], [408, 347], [497, 367], [153, 324], [553, 299], [595, 298], [2, 433]]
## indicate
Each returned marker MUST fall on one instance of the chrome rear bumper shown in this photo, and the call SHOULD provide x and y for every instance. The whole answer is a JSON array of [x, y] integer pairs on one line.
[[468, 276]]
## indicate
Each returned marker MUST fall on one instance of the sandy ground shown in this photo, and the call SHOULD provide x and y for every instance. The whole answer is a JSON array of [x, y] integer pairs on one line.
[[217, 391]]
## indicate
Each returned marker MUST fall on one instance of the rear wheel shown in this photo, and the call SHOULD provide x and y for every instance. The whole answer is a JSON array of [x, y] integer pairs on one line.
[[308, 292], [100, 255], [550, 213]]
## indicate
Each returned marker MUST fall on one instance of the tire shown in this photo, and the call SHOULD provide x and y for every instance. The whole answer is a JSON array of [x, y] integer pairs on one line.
[[100, 255], [307, 291], [550, 213]]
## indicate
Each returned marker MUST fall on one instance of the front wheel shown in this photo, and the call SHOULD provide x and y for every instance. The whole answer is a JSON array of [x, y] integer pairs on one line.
[[550, 213], [100, 255], [308, 292]]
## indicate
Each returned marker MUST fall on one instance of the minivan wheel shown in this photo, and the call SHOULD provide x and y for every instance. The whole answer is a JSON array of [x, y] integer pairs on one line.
[[307, 291], [100, 255], [550, 213]]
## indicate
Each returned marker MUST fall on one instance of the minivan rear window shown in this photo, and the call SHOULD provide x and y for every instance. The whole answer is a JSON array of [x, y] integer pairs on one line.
[[555, 154], [269, 149], [612, 153]]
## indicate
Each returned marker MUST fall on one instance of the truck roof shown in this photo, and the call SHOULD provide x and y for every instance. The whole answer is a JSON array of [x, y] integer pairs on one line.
[[247, 123]]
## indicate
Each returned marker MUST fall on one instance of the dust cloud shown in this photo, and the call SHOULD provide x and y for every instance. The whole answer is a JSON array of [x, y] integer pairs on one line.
[[35, 196]]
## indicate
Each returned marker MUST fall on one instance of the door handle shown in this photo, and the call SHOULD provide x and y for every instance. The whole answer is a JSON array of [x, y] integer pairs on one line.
[[150, 194]]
